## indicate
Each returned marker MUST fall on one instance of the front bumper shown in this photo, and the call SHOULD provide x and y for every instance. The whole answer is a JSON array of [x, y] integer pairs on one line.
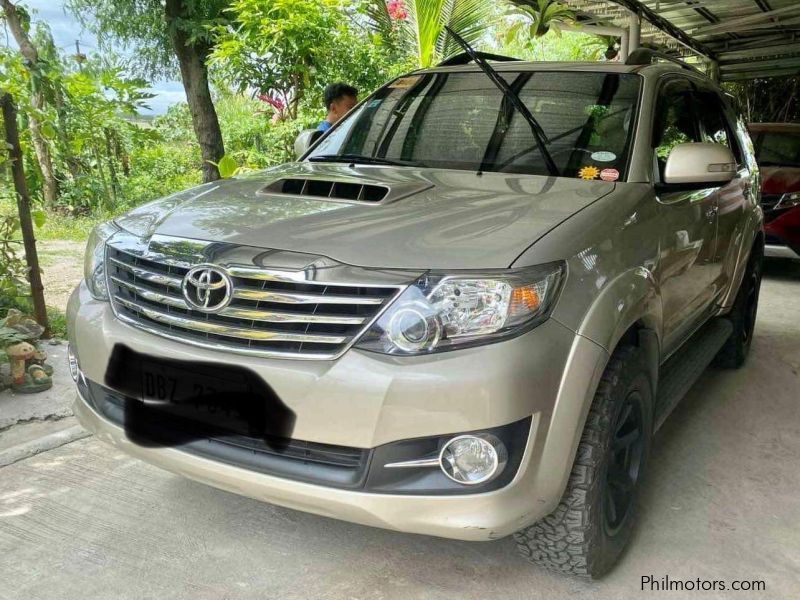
[[365, 400]]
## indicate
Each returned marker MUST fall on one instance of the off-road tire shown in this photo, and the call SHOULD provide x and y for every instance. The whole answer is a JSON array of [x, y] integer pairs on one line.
[[733, 353], [574, 539]]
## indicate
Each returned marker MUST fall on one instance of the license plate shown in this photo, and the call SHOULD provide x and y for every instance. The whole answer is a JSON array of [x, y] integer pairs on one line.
[[194, 400], [220, 401], [163, 383]]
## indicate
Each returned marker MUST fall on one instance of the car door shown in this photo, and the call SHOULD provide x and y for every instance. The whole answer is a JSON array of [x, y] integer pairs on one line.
[[717, 126], [688, 220]]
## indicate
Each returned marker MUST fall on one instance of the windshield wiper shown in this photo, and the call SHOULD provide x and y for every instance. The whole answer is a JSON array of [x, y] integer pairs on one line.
[[360, 159], [513, 97]]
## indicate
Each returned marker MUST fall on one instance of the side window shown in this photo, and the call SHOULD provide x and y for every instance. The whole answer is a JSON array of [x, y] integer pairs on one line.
[[675, 121], [714, 124], [712, 121]]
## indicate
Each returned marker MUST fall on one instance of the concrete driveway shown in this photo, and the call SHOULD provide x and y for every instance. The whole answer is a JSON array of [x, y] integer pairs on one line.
[[722, 503]]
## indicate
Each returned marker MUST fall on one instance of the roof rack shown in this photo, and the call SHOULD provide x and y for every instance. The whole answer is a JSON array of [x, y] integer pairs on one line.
[[464, 59], [647, 56]]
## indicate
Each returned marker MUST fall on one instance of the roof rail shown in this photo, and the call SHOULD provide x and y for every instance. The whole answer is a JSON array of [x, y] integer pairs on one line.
[[464, 59], [647, 56]]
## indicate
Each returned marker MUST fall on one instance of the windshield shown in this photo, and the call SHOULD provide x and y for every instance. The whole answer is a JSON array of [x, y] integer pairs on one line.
[[781, 149], [462, 121]]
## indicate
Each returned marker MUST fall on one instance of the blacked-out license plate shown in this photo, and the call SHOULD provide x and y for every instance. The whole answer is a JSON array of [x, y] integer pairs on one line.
[[166, 383], [191, 401]]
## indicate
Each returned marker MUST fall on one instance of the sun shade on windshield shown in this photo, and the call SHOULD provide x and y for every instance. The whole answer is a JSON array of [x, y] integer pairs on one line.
[[462, 121]]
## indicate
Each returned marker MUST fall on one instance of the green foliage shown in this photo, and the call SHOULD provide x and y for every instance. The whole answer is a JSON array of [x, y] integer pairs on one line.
[[227, 166], [158, 168], [538, 18], [416, 27], [140, 27], [287, 50], [772, 100], [57, 321], [254, 137], [14, 285], [13, 271]]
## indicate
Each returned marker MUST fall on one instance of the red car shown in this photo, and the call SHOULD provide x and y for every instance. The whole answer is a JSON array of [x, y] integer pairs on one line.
[[778, 153]]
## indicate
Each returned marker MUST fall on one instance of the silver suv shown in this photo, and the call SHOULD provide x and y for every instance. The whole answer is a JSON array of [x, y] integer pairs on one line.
[[464, 312]]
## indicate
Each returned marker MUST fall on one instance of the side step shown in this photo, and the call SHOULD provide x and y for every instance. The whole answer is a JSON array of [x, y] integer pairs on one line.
[[681, 371]]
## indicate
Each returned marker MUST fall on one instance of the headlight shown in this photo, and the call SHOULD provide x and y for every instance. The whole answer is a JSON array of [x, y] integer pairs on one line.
[[444, 312], [788, 200], [94, 270]]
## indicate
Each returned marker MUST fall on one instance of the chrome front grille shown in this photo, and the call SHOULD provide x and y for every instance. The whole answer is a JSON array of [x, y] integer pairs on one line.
[[272, 312]]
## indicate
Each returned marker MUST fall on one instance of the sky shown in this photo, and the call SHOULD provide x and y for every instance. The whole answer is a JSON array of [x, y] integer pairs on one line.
[[66, 30]]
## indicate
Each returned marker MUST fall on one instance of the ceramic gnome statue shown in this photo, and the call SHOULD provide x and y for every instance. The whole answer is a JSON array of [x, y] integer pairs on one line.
[[29, 371]]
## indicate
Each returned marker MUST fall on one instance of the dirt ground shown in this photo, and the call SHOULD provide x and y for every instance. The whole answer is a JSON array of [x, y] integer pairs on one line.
[[62, 270]]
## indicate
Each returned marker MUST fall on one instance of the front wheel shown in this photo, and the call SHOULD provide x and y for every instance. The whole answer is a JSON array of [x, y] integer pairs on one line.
[[587, 532]]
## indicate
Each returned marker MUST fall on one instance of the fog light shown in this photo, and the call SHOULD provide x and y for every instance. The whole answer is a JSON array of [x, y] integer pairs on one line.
[[73, 363], [473, 459]]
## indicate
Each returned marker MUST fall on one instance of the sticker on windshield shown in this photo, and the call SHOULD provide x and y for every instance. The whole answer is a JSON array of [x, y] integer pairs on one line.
[[405, 83], [588, 173], [609, 175], [604, 156]]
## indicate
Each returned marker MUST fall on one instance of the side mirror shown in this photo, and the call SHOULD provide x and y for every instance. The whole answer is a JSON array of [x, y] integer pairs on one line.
[[304, 141], [700, 163]]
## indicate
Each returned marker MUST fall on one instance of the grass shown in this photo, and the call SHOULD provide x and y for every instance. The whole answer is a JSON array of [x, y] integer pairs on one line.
[[58, 323], [61, 227]]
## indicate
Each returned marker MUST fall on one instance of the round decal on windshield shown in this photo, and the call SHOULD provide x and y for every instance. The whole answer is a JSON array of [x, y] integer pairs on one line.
[[609, 174], [604, 156]]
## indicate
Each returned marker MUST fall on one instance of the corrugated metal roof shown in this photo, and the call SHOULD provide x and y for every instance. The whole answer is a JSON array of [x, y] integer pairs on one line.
[[747, 38]]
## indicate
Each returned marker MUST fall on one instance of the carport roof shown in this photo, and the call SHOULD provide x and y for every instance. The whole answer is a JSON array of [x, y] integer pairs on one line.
[[747, 38]]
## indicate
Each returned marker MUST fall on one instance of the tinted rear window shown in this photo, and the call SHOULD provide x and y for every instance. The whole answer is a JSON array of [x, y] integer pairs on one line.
[[777, 148]]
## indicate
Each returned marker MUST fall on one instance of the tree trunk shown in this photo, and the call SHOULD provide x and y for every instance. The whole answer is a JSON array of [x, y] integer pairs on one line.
[[112, 169], [40, 146], [24, 209], [194, 74]]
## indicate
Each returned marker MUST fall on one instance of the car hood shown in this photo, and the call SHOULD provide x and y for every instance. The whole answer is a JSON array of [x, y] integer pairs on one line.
[[443, 219]]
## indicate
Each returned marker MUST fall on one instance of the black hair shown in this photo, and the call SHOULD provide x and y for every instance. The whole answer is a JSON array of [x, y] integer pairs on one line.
[[335, 91]]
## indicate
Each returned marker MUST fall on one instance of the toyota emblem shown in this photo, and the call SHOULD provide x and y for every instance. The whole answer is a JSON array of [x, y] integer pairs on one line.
[[207, 288]]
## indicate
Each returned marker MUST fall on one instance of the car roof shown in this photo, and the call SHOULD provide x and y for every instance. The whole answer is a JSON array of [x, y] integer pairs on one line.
[[587, 66]]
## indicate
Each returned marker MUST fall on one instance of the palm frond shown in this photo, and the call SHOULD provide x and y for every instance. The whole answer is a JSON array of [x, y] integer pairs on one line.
[[470, 19], [379, 19]]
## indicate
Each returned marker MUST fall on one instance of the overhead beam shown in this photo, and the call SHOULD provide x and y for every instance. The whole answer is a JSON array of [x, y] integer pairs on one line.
[[731, 28], [759, 74], [727, 24], [666, 26], [786, 63], [776, 50]]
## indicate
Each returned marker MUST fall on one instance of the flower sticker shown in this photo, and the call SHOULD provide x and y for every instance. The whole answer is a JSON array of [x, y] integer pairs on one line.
[[589, 172]]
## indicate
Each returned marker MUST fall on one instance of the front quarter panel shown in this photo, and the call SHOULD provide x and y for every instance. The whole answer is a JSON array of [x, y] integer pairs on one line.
[[612, 251]]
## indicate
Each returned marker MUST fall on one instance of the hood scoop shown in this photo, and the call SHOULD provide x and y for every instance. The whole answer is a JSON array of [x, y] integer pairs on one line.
[[344, 190]]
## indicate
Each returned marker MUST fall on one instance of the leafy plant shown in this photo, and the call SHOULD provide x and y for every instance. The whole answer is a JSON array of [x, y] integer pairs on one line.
[[418, 26], [13, 270], [539, 17], [285, 50]]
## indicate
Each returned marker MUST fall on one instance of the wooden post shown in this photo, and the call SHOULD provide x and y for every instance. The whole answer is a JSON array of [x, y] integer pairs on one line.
[[24, 209]]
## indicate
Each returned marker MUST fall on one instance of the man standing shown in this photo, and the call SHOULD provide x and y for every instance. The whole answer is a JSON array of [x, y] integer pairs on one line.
[[339, 99]]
